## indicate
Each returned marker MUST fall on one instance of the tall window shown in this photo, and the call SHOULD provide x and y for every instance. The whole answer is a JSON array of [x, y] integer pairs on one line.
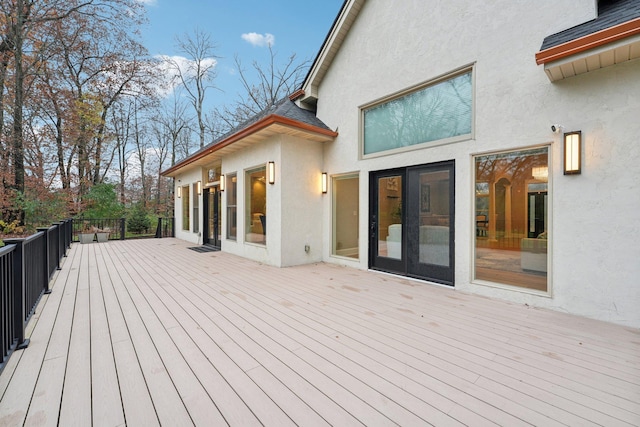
[[439, 111], [256, 206], [345, 190], [512, 213], [185, 208], [232, 206], [196, 209]]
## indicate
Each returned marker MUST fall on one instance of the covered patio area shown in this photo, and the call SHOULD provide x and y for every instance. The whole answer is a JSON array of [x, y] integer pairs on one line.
[[148, 332]]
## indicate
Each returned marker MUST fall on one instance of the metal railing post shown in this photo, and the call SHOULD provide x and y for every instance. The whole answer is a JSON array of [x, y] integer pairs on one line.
[[123, 228], [19, 291], [47, 259], [159, 228]]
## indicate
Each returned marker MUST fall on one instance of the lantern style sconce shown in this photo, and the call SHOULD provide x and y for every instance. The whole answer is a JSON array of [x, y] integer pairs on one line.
[[325, 183], [179, 192], [271, 172], [572, 153], [222, 182], [199, 187]]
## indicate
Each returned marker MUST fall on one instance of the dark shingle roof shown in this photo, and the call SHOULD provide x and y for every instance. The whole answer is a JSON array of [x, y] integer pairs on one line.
[[283, 108], [610, 14]]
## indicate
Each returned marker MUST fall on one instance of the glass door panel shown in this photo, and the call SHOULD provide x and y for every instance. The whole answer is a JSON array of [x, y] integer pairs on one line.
[[386, 228], [430, 222]]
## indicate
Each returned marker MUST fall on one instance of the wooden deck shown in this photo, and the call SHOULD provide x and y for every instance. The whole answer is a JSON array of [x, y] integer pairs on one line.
[[149, 332]]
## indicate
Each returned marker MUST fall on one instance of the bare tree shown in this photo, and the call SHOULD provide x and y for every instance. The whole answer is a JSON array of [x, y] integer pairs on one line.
[[272, 83], [197, 73]]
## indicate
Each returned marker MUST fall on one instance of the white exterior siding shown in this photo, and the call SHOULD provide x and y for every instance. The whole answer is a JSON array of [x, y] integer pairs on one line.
[[594, 252], [188, 177], [294, 209]]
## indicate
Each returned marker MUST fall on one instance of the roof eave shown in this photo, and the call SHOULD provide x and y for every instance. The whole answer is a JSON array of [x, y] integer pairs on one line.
[[266, 122], [587, 53]]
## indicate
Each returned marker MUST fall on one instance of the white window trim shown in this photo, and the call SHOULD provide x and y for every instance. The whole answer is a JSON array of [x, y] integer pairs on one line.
[[472, 224]]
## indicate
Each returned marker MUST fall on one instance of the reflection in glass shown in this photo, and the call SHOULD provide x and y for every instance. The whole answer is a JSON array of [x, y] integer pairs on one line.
[[512, 218], [232, 200], [434, 218], [256, 212], [346, 216], [442, 110], [390, 217]]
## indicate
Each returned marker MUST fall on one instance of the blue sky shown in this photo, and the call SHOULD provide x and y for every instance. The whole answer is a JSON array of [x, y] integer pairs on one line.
[[294, 26]]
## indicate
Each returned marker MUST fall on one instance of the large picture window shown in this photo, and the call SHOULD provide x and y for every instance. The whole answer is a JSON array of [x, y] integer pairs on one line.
[[440, 111], [185, 208], [232, 206], [511, 218], [256, 206], [345, 190]]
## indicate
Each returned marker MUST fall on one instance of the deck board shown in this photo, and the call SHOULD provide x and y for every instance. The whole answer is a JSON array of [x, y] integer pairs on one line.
[[148, 333]]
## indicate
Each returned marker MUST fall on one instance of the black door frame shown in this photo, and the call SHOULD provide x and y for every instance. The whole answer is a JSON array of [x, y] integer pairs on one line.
[[408, 265], [207, 194]]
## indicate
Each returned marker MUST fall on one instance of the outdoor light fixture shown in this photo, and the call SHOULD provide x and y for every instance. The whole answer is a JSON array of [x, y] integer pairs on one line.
[[179, 192], [572, 153], [324, 183], [222, 182], [271, 172], [199, 187]]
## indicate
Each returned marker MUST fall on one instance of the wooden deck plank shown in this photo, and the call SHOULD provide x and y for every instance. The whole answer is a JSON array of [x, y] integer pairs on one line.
[[136, 400], [181, 335], [19, 392], [106, 402], [45, 404], [167, 401], [158, 321], [75, 408]]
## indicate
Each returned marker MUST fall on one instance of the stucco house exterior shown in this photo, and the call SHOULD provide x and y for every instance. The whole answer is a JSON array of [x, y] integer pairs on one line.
[[486, 146]]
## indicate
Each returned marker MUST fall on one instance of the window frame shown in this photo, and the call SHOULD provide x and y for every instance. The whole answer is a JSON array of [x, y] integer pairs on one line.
[[186, 206], [549, 220], [470, 68], [195, 207], [231, 188], [332, 191], [248, 192]]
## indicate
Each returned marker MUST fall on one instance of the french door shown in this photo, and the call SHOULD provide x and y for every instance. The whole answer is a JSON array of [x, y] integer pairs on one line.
[[212, 216], [412, 221]]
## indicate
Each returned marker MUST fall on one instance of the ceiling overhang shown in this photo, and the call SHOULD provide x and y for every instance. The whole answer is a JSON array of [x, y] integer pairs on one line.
[[614, 45], [269, 126]]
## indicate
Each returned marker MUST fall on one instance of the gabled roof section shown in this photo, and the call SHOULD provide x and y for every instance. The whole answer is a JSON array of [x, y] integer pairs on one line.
[[338, 32], [284, 117], [613, 37]]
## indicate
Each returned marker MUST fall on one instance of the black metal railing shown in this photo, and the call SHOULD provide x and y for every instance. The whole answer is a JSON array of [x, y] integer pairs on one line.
[[26, 266], [165, 228], [117, 228]]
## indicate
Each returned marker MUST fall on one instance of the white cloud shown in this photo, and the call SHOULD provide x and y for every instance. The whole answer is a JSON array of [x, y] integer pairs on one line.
[[169, 65], [148, 2], [260, 40]]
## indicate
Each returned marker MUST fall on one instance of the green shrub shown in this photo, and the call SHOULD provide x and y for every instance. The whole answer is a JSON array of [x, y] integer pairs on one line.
[[102, 202], [138, 221]]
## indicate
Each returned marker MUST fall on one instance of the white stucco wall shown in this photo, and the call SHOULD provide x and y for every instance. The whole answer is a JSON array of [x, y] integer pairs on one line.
[[294, 202], [188, 177], [595, 216]]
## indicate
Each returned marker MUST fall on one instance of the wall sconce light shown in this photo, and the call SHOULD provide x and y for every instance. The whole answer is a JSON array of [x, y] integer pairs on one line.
[[199, 187], [572, 153], [179, 192], [271, 172], [222, 182], [325, 183]]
